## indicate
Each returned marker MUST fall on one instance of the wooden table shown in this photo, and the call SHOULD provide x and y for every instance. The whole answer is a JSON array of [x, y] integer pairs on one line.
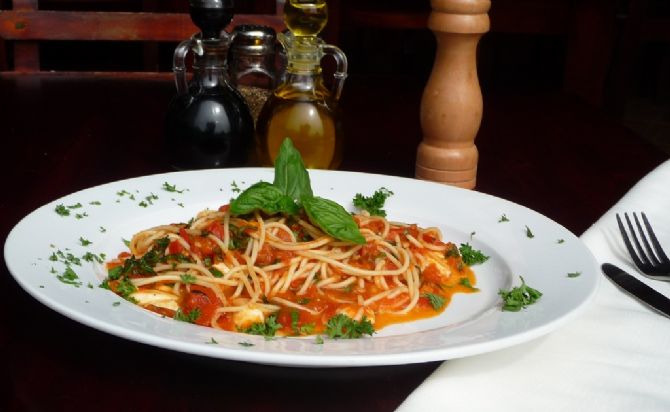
[[60, 134]]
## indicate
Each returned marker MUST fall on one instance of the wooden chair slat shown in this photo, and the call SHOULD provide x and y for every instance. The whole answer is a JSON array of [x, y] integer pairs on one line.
[[110, 26]]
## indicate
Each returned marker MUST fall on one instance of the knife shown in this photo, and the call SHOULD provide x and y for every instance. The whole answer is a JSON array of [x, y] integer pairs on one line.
[[637, 288]]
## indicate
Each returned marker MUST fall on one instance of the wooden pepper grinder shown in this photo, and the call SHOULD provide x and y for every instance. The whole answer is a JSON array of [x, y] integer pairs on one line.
[[451, 106]]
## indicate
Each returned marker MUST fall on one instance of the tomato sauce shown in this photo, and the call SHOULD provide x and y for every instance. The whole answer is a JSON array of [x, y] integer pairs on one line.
[[443, 274]]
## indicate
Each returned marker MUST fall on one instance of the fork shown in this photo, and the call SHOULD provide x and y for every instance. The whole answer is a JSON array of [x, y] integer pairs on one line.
[[654, 263]]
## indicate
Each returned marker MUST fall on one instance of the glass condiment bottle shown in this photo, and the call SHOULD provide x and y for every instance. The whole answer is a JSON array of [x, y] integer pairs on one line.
[[208, 123], [302, 107], [252, 63]]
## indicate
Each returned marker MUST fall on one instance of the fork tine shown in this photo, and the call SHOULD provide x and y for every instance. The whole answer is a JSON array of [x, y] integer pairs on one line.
[[657, 246], [651, 257], [629, 246], [640, 253]]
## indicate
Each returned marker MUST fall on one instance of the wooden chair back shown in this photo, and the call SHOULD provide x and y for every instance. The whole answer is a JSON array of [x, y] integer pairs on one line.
[[25, 26]]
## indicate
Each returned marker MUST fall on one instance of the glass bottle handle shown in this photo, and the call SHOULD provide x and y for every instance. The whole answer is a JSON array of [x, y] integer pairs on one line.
[[340, 74], [179, 65]]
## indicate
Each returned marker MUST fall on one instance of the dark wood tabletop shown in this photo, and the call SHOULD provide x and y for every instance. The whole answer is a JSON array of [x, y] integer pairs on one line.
[[59, 134]]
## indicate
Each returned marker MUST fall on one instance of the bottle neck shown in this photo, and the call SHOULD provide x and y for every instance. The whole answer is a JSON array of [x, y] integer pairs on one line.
[[304, 80], [210, 53], [303, 86], [303, 53], [301, 68], [211, 77], [210, 68]]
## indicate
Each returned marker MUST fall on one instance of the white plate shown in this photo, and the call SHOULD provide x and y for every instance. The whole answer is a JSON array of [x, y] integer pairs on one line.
[[472, 323]]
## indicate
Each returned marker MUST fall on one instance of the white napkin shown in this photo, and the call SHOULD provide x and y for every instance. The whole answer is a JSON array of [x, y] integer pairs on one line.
[[614, 357]]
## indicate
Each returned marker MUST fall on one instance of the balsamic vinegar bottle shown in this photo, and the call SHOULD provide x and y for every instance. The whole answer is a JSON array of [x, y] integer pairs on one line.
[[208, 123]]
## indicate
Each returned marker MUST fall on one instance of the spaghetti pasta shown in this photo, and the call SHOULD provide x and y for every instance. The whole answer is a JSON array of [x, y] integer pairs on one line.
[[234, 272]]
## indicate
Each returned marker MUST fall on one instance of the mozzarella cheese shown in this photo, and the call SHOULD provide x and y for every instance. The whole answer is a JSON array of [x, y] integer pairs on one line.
[[156, 298]]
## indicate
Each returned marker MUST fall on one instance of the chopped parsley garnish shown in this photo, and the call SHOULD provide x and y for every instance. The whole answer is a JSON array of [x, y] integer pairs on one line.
[[90, 257], [342, 326], [266, 329], [84, 242], [519, 297], [116, 304], [234, 188], [115, 272], [67, 258], [81, 215], [179, 257], [212, 341], [142, 266], [295, 317], [238, 237], [171, 188], [65, 210], [574, 274], [436, 301], [95, 203], [148, 200], [245, 344], [559, 241], [471, 256], [188, 279], [189, 317], [125, 288], [373, 204], [69, 277], [466, 282], [306, 329], [319, 340], [216, 272], [503, 218], [62, 210], [529, 234]]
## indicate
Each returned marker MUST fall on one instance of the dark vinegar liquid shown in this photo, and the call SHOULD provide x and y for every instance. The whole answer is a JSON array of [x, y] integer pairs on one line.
[[208, 130]]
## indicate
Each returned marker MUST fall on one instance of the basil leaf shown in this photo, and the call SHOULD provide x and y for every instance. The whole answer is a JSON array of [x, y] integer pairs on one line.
[[263, 196], [291, 176], [287, 205], [332, 219]]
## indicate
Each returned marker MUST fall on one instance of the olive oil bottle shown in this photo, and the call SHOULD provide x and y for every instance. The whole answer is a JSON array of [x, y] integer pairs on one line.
[[302, 107]]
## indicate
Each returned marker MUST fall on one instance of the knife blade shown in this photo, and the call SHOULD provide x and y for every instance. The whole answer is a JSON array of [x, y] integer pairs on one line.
[[637, 288]]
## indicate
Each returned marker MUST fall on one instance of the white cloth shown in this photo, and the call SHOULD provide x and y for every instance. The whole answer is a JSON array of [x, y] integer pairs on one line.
[[613, 357]]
